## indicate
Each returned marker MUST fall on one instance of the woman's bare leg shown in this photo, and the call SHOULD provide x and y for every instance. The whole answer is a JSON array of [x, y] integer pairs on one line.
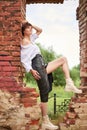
[[60, 62], [44, 108], [46, 124]]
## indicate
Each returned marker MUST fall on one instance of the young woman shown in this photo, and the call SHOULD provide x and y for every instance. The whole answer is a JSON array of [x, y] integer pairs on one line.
[[33, 62]]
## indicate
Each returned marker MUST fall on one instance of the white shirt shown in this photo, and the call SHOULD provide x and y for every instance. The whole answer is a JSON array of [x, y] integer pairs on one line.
[[28, 52]]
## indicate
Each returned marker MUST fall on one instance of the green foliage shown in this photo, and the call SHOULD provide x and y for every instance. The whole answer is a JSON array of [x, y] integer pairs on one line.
[[75, 74], [58, 77], [29, 78], [48, 54]]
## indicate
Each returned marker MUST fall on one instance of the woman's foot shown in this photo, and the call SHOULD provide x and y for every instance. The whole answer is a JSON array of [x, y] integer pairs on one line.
[[47, 125], [70, 87]]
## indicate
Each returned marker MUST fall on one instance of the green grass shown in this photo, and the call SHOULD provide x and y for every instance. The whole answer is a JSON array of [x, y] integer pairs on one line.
[[60, 94]]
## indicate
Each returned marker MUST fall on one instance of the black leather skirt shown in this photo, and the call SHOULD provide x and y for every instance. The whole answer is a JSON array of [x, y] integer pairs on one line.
[[43, 83]]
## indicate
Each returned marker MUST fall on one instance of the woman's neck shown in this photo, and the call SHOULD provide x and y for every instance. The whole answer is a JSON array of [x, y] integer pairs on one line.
[[26, 40], [27, 37]]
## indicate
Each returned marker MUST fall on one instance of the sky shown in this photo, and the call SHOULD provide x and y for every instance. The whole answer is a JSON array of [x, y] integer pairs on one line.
[[60, 28]]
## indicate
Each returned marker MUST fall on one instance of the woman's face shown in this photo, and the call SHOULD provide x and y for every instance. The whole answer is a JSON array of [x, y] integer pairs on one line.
[[28, 31]]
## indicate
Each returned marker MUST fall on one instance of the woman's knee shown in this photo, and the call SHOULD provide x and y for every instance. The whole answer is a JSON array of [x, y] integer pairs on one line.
[[64, 59]]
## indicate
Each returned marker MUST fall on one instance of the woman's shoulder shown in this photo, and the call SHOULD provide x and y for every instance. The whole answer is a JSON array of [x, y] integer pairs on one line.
[[24, 41]]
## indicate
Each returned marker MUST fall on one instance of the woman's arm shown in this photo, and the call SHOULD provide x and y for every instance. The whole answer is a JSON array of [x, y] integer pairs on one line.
[[38, 29], [35, 74]]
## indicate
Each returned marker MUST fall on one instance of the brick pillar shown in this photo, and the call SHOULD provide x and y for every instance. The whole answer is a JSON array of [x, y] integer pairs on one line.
[[11, 14], [82, 17]]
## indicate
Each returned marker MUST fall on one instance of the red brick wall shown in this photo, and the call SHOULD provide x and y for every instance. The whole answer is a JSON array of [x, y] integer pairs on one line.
[[11, 14], [82, 17]]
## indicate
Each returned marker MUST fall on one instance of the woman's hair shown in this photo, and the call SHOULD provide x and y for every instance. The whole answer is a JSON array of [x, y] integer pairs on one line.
[[25, 25]]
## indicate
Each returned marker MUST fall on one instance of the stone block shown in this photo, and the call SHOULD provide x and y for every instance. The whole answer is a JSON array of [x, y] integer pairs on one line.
[[81, 122], [80, 110], [74, 127], [83, 116], [76, 105], [15, 115], [63, 126], [83, 127]]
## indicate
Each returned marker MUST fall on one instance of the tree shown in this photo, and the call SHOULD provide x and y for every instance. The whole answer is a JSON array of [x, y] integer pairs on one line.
[[58, 77], [48, 54]]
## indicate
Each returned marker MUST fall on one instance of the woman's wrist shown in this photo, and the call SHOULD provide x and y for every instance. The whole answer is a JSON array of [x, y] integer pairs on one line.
[[31, 70]]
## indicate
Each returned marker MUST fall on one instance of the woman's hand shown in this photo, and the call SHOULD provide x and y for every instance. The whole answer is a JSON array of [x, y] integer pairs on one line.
[[38, 29], [35, 74]]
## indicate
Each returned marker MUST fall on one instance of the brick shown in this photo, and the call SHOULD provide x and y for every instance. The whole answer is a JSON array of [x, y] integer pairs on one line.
[[84, 89], [4, 53], [7, 84], [82, 100], [15, 63], [10, 68], [17, 5], [29, 104], [1, 33], [1, 48], [16, 74], [6, 13], [63, 126], [4, 63], [7, 79], [33, 94], [27, 127], [70, 121], [71, 115], [27, 90], [29, 100], [15, 54], [14, 88], [12, 47], [27, 115], [1, 38], [34, 122], [80, 110], [6, 58], [0, 68], [74, 127], [8, 74]]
